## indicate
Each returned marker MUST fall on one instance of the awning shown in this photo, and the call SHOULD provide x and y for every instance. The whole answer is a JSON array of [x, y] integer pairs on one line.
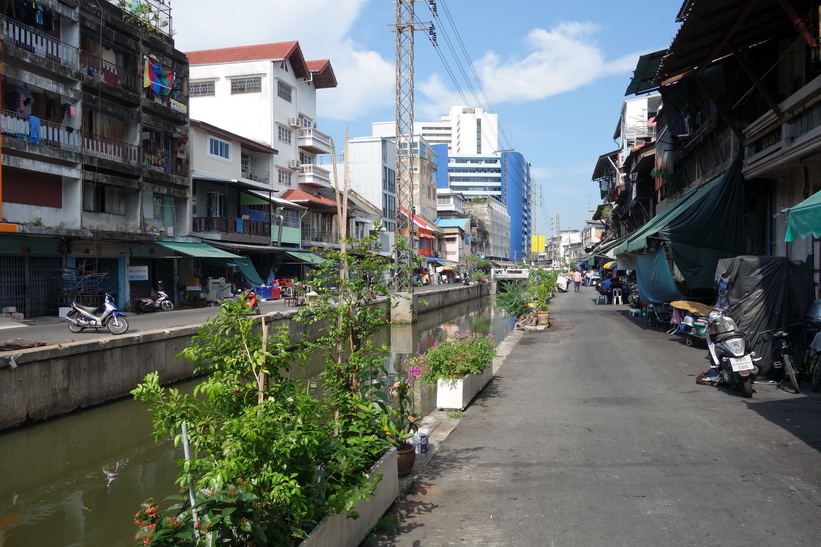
[[197, 250], [645, 74], [247, 268], [804, 219], [305, 256]]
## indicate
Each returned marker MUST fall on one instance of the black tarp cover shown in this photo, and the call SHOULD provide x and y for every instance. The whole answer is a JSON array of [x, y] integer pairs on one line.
[[764, 293], [709, 230]]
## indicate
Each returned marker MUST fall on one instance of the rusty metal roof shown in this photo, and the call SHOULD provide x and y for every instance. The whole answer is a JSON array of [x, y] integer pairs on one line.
[[712, 29]]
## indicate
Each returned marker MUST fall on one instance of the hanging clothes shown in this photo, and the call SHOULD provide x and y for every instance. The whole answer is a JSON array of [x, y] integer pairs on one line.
[[34, 129]]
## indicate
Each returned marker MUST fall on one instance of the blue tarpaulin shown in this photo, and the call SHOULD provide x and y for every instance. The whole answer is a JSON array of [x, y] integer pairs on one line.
[[654, 279]]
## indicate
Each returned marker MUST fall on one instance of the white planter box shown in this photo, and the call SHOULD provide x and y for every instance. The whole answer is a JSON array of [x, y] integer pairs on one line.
[[338, 530], [457, 394]]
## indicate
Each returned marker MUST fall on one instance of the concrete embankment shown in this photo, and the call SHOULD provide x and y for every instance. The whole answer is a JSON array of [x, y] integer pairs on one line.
[[42, 383]]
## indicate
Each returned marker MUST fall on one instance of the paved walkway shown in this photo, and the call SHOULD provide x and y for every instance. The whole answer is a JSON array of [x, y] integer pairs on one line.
[[596, 434]]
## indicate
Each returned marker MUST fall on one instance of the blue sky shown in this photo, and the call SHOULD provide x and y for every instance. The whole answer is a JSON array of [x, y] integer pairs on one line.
[[554, 72]]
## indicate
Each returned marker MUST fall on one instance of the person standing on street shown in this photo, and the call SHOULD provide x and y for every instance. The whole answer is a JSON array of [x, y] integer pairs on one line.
[[577, 280]]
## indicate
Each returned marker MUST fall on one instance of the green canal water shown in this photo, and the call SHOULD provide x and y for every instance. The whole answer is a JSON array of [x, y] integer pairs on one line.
[[79, 479]]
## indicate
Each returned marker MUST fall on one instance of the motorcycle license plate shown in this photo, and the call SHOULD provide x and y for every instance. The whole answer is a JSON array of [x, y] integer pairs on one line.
[[741, 363]]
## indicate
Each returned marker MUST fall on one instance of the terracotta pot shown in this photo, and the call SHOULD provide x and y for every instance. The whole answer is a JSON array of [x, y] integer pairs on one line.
[[406, 456], [542, 317]]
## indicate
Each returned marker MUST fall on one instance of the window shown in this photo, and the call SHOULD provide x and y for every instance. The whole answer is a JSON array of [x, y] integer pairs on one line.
[[284, 177], [215, 205], [246, 85], [202, 89], [479, 136], [284, 90], [283, 134], [102, 198], [218, 148]]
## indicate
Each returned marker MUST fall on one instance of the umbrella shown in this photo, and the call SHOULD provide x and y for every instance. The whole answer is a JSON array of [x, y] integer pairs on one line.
[[612, 265]]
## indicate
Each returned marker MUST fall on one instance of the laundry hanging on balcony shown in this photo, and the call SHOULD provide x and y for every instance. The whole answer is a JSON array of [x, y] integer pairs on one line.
[[156, 77]]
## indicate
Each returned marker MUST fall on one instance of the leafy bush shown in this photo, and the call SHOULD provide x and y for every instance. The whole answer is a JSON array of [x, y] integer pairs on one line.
[[513, 299]]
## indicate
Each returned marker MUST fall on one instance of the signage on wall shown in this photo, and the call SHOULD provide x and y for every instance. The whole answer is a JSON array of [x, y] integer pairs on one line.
[[137, 273]]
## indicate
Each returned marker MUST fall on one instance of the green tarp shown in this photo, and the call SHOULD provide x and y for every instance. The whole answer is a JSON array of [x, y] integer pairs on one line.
[[247, 268], [805, 219], [701, 228]]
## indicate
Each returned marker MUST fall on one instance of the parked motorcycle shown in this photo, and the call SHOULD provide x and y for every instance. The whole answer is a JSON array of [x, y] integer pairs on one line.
[[251, 301], [144, 304], [106, 316], [730, 353]]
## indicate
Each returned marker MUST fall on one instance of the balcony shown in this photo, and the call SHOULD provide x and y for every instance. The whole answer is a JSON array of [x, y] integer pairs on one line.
[[110, 149], [320, 236], [772, 144], [257, 175], [314, 141], [313, 175], [35, 130], [112, 74], [232, 225], [39, 43]]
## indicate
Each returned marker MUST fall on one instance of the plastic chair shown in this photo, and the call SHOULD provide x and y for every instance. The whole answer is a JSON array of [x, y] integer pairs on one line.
[[602, 294], [617, 297]]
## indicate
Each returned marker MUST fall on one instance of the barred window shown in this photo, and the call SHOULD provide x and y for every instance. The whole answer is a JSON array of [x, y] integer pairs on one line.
[[202, 89], [246, 85], [284, 91]]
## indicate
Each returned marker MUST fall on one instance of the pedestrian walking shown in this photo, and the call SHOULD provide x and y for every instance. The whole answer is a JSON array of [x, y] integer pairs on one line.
[[577, 280]]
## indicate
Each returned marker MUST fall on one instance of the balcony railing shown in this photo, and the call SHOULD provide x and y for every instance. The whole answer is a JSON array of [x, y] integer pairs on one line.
[[37, 42], [33, 129], [110, 149], [231, 225], [257, 175], [313, 174], [311, 139], [108, 72]]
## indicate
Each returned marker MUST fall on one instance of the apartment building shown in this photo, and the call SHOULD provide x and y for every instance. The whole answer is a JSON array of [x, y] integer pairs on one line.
[[94, 151]]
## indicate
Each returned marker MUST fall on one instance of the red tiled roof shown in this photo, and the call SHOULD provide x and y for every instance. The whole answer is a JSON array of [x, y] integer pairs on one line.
[[278, 50], [323, 73], [300, 195]]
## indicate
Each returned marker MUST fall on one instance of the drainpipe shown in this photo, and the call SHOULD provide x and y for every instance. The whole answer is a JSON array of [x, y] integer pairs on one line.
[[278, 214]]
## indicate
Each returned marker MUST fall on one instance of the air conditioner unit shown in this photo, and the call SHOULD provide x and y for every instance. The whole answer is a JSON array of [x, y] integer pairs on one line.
[[294, 122], [294, 163]]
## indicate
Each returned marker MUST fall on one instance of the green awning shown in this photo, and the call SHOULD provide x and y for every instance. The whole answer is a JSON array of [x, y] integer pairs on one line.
[[638, 239], [197, 250], [804, 219], [305, 256], [645, 74], [247, 268]]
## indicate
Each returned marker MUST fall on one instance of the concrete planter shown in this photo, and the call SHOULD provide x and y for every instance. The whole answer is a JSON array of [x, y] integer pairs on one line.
[[340, 531], [458, 393]]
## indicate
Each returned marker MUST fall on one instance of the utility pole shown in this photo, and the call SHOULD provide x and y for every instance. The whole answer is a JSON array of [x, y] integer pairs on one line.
[[406, 26]]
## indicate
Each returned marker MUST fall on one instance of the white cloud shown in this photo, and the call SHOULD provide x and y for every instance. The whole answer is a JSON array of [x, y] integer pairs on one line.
[[563, 59]]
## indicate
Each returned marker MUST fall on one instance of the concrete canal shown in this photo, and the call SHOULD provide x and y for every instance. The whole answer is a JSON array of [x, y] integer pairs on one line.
[[78, 480]]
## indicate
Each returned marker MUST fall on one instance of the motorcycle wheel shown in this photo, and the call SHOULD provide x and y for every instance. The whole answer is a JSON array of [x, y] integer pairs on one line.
[[746, 386], [816, 373], [73, 327], [791, 373], [257, 310], [117, 325], [167, 305]]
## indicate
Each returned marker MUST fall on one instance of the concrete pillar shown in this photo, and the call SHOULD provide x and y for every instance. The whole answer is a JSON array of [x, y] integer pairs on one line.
[[402, 310]]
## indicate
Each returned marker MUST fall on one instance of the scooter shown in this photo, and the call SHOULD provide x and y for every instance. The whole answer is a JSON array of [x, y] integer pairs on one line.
[[251, 301], [106, 316], [730, 353], [161, 303]]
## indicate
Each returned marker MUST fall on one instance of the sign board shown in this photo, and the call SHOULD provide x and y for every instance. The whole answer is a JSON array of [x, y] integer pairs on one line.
[[137, 273]]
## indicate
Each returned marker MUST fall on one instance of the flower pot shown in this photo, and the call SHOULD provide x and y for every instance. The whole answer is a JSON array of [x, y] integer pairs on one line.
[[406, 456], [457, 394], [542, 317]]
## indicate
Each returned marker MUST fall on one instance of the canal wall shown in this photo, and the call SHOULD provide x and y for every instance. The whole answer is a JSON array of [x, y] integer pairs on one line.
[[42, 383]]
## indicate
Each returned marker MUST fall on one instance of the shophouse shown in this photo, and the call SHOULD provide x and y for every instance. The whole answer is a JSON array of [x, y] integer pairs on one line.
[[95, 127]]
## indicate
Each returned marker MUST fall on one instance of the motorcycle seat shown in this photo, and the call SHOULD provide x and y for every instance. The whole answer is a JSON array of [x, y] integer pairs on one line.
[[727, 335]]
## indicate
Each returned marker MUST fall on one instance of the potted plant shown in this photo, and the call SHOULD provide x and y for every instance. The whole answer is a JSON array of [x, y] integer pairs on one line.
[[543, 285], [401, 421], [459, 368]]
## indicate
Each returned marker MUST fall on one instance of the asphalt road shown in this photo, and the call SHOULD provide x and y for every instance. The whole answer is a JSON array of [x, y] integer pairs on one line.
[[596, 434]]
